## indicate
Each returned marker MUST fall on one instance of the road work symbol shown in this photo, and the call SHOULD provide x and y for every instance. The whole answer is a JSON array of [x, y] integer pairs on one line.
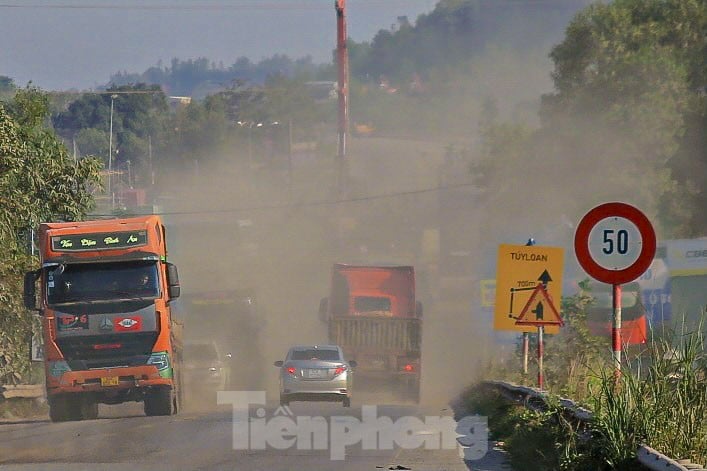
[[542, 301]]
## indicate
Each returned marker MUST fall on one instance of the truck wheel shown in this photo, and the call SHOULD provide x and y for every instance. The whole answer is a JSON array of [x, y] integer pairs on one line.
[[179, 396], [88, 408], [346, 402], [413, 390], [159, 401], [63, 408]]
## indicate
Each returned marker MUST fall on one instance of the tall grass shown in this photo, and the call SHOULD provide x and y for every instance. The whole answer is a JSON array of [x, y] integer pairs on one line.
[[661, 401]]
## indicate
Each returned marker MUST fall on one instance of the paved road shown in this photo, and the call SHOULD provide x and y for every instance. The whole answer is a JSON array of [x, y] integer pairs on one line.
[[125, 439]]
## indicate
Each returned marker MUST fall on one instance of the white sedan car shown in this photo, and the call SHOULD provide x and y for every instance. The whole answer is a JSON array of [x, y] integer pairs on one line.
[[315, 373]]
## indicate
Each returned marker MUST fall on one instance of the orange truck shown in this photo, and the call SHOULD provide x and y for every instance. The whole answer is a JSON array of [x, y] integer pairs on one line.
[[103, 293], [372, 314]]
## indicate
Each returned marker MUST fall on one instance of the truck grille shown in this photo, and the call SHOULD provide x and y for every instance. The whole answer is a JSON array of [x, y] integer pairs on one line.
[[113, 350], [381, 334]]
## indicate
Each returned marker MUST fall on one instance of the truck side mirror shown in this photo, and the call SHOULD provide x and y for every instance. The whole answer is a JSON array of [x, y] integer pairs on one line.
[[323, 309], [173, 281], [30, 293], [418, 308]]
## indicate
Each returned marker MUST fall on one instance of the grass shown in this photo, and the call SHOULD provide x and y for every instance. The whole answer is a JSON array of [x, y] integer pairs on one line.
[[660, 400], [22, 408]]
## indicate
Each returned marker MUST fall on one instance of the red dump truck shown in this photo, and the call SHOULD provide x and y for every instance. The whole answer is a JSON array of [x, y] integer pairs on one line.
[[372, 314], [104, 297]]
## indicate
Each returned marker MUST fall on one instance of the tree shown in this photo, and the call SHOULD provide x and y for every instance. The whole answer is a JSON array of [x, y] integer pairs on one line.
[[636, 69], [140, 112], [39, 181], [7, 87]]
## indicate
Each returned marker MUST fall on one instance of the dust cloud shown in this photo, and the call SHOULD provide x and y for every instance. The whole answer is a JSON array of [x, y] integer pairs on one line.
[[244, 225]]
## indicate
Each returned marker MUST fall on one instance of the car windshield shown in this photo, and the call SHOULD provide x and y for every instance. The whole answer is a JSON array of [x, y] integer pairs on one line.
[[102, 281], [316, 354]]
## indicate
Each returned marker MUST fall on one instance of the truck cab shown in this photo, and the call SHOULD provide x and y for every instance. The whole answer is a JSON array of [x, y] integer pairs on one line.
[[103, 292], [373, 315]]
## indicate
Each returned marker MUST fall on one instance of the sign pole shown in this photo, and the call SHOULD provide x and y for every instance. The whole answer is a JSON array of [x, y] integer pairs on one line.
[[526, 336], [616, 329], [540, 357], [526, 342]]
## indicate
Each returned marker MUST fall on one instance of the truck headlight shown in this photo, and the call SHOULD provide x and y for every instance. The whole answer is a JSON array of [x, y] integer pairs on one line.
[[58, 368], [160, 360]]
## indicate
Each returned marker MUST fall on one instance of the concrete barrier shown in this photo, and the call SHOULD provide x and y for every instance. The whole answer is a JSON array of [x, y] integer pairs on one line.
[[31, 391]]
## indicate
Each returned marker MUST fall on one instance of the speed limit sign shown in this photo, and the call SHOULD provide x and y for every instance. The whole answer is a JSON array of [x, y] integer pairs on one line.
[[615, 243]]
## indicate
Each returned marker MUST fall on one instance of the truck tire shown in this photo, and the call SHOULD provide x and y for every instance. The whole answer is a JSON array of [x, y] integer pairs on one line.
[[63, 408], [413, 390], [88, 408], [159, 401], [346, 402], [179, 396]]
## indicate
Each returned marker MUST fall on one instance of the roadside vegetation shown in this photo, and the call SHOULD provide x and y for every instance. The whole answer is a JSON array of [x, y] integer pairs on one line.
[[39, 181], [659, 400]]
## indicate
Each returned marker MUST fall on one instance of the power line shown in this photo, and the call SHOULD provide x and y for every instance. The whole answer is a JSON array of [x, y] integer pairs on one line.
[[306, 205], [253, 5], [248, 5]]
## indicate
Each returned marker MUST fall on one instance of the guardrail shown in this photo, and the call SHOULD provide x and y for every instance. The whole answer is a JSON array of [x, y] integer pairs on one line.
[[533, 398]]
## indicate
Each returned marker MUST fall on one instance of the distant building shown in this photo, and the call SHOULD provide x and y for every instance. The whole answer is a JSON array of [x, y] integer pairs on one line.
[[322, 91], [178, 101]]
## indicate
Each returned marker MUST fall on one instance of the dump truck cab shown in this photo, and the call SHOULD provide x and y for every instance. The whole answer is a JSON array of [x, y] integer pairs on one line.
[[103, 292], [373, 315]]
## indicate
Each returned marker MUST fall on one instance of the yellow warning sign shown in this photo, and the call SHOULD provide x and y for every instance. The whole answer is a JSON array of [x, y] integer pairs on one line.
[[539, 310], [519, 270]]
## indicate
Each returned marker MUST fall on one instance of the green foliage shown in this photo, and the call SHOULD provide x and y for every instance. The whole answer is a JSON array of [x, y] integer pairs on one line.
[[534, 439], [632, 72], [200, 77], [661, 401], [7, 87], [38, 182], [140, 113], [92, 141]]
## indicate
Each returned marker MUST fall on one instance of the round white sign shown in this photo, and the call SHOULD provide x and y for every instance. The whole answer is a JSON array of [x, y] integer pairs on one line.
[[615, 243]]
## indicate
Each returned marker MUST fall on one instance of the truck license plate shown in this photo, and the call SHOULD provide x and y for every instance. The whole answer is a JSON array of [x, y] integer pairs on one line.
[[110, 381]]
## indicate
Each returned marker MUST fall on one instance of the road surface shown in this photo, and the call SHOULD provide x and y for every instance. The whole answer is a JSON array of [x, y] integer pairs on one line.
[[123, 438]]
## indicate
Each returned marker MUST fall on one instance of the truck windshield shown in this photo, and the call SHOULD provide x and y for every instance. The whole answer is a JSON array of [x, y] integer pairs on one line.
[[371, 304], [103, 281]]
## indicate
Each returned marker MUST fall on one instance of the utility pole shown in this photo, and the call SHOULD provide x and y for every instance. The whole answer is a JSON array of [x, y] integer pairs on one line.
[[342, 57], [110, 153], [289, 157], [149, 153]]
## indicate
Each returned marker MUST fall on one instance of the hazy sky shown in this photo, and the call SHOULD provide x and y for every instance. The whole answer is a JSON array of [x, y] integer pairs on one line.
[[61, 44]]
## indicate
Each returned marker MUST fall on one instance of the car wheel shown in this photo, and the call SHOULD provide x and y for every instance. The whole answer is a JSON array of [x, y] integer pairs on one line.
[[346, 402]]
